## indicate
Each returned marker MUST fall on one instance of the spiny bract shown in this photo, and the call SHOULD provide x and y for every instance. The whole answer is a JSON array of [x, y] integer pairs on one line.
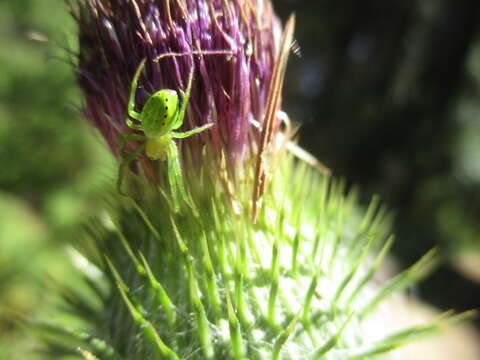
[[211, 285]]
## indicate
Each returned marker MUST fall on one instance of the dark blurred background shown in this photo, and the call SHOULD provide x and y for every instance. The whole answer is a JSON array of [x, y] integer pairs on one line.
[[388, 95]]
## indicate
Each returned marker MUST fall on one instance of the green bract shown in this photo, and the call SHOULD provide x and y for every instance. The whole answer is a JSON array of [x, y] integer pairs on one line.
[[206, 283]]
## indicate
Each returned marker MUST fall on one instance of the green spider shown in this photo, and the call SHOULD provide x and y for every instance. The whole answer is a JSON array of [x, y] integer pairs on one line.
[[160, 116]]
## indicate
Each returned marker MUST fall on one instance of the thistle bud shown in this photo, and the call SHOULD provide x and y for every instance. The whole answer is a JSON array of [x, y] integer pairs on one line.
[[231, 45], [204, 281]]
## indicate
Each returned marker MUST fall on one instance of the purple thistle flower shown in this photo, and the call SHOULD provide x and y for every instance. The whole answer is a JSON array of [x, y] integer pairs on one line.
[[229, 88]]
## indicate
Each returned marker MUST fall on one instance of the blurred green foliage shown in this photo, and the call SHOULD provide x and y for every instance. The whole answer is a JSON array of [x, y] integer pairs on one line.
[[44, 145], [52, 163]]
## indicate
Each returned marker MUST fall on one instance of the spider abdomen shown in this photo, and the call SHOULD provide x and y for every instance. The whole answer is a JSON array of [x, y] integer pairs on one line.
[[159, 113]]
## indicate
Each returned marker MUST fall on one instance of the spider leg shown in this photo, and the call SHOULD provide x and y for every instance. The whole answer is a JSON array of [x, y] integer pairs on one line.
[[185, 134], [175, 176], [132, 125], [185, 99], [133, 89], [126, 160], [195, 52], [123, 140]]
